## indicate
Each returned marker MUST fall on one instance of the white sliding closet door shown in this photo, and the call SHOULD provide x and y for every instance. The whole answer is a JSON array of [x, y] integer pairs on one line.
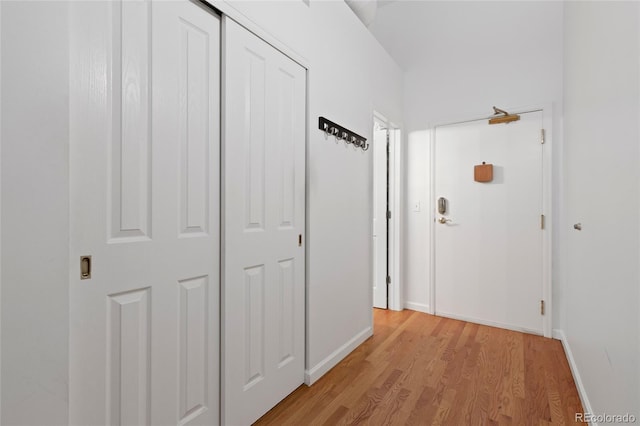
[[264, 221], [145, 205]]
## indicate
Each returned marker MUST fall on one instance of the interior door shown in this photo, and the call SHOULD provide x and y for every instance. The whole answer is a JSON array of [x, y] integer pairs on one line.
[[264, 223], [144, 336], [380, 208], [488, 242]]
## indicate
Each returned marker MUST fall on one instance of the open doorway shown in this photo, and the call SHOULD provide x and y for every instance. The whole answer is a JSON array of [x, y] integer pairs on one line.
[[386, 214]]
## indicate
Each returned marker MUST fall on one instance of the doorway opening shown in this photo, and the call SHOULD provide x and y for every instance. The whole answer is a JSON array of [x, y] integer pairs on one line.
[[386, 213]]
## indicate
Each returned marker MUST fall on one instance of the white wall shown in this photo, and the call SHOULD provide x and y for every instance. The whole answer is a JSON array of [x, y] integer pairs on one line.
[[507, 54], [350, 76], [602, 141], [35, 214]]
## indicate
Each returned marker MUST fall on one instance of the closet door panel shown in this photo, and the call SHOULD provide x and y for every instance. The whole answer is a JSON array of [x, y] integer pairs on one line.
[[264, 189], [145, 205]]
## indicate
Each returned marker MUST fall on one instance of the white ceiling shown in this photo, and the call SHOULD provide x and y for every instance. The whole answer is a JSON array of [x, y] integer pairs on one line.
[[413, 31]]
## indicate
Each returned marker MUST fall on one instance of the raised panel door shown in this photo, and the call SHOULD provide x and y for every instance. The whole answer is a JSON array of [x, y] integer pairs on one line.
[[264, 190], [145, 123]]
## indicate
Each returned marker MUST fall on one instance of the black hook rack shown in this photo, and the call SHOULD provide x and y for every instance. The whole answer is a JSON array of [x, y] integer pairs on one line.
[[342, 133]]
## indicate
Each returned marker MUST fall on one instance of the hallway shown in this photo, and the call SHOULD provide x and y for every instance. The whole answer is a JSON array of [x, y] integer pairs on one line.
[[418, 369]]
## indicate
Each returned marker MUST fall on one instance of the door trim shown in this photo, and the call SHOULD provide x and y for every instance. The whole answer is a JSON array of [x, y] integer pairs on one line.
[[380, 124], [394, 292], [547, 209], [1, 216], [395, 201]]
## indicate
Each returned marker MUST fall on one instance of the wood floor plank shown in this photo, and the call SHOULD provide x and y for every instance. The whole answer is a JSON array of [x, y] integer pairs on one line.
[[337, 415], [444, 407], [418, 377], [371, 400], [509, 355], [535, 387], [419, 369], [421, 408], [517, 366], [492, 368], [391, 408]]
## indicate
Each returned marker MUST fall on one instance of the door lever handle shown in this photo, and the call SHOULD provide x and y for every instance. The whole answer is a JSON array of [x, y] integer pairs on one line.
[[444, 220]]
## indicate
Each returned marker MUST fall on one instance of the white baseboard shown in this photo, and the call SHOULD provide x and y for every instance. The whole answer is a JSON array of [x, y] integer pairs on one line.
[[582, 392], [420, 307], [489, 323], [313, 374]]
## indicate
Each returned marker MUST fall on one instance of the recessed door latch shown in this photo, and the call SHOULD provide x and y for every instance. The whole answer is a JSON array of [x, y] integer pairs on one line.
[[85, 267]]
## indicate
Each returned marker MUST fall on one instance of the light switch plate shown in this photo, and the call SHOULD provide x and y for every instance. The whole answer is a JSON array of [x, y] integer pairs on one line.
[[416, 206]]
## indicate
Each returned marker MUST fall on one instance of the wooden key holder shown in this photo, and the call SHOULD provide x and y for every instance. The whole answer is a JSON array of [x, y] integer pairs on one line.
[[483, 172]]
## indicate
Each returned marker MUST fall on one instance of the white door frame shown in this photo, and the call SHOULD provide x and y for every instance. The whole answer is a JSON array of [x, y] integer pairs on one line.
[[547, 196], [1, 213], [380, 232], [395, 196]]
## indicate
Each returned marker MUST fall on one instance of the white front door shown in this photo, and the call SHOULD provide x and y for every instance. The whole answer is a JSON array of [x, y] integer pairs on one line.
[[144, 336], [488, 251], [380, 207], [263, 225]]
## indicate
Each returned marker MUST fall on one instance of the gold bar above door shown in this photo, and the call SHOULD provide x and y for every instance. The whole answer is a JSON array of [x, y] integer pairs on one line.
[[504, 118]]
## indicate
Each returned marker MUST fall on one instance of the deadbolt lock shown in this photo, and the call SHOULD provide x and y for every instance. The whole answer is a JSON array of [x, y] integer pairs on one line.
[[442, 205]]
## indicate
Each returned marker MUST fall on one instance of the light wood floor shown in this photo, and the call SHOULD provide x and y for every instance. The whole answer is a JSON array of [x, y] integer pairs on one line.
[[418, 369]]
